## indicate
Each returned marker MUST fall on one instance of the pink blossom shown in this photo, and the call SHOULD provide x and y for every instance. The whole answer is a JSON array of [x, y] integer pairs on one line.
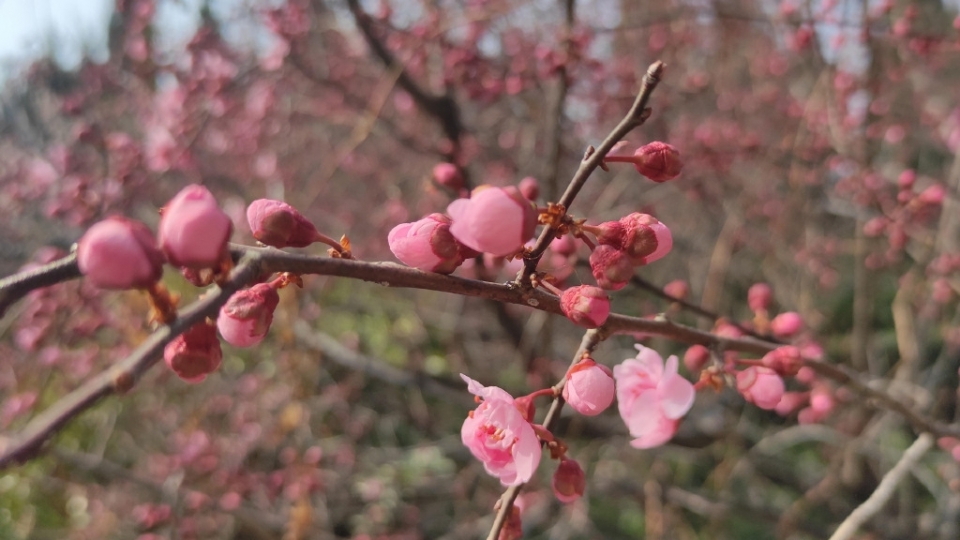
[[658, 161], [569, 481], [651, 397], [529, 187], [194, 230], [611, 267], [678, 288], [277, 224], [645, 238], [759, 297], [761, 386], [195, 353], [494, 220], [589, 388], [786, 324], [119, 253], [499, 436], [448, 175], [784, 360], [696, 358], [427, 244], [585, 305], [246, 317]]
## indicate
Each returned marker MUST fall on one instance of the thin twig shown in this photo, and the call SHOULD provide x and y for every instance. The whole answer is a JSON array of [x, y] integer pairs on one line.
[[19, 285], [884, 491], [123, 375], [590, 340], [634, 118]]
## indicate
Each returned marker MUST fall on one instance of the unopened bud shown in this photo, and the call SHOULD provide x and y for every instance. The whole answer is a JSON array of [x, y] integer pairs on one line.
[[194, 230], [119, 253], [585, 305], [195, 353], [246, 317], [277, 224], [569, 481]]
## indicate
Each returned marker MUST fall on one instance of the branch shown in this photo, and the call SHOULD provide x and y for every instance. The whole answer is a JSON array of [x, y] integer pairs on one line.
[[635, 117], [19, 285], [443, 108], [590, 340], [255, 261], [123, 375], [884, 491]]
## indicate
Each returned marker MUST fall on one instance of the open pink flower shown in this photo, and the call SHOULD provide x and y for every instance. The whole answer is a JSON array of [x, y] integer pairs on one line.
[[651, 397], [499, 436], [494, 220], [427, 244]]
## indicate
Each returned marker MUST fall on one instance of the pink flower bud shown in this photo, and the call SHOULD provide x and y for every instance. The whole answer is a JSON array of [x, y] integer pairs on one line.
[[119, 253], [195, 353], [760, 386], [759, 297], [530, 188], [611, 233], [933, 195], [786, 324], [677, 288], [448, 175], [784, 360], [695, 358], [194, 230], [585, 305], [611, 267], [427, 244], [645, 238], [277, 224], [494, 220], [565, 245], [569, 481], [245, 319], [589, 388], [658, 161], [907, 179], [790, 402]]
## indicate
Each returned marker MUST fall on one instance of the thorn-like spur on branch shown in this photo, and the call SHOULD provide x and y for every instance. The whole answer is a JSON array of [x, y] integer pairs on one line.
[[441, 107], [19, 285], [123, 375], [634, 118], [591, 339]]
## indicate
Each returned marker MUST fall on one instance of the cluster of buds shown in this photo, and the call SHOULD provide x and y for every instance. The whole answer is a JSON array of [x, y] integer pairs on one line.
[[119, 253], [633, 241]]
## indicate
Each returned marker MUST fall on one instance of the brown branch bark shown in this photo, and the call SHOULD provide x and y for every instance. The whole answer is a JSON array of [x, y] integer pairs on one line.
[[123, 375], [19, 285]]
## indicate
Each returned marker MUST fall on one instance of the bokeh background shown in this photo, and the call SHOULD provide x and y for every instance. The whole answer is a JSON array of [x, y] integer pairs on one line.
[[820, 141]]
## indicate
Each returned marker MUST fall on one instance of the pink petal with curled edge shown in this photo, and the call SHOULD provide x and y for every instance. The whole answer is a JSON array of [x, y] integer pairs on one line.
[[676, 396], [526, 454]]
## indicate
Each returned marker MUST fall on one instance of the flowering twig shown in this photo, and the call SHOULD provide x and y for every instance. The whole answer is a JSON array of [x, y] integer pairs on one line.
[[884, 491], [19, 285], [124, 374], [635, 117], [590, 340], [256, 261]]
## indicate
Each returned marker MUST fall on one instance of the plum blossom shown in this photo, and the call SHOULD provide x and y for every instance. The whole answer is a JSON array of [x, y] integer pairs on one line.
[[119, 253], [761, 386], [651, 397], [195, 353], [277, 224], [569, 481], [494, 220], [428, 245], [194, 230], [589, 388], [585, 305], [497, 434], [246, 317]]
